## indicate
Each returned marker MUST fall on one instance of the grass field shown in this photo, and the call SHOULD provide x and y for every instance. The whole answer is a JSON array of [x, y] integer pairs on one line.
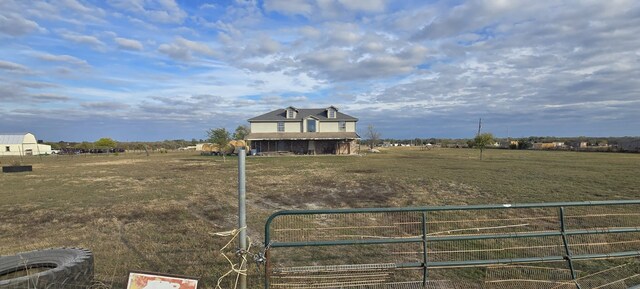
[[156, 213]]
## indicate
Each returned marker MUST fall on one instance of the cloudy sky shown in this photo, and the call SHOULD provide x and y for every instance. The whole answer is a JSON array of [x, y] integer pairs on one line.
[[167, 69]]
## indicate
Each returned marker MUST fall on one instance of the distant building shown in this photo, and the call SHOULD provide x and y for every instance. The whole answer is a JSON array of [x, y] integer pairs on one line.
[[506, 144], [579, 144], [548, 145], [304, 131], [22, 144]]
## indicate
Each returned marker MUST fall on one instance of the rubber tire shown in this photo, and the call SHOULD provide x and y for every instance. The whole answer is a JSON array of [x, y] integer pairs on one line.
[[70, 268]]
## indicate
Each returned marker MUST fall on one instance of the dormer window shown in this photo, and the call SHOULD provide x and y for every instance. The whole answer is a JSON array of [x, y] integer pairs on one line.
[[291, 112], [331, 112]]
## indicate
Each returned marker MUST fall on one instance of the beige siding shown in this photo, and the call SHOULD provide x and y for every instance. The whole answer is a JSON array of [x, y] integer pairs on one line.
[[14, 150], [292, 127], [264, 127], [29, 138], [334, 126], [29, 145], [321, 126], [24, 149], [329, 126], [351, 126]]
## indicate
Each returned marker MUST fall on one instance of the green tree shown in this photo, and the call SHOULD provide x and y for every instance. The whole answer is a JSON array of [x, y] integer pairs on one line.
[[221, 138], [105, 142], [54, 145], [524, 144], [241, 132], [482, 140], [85, 146]]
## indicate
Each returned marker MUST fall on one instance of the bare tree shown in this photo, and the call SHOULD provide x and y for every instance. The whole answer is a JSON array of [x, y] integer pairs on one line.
[[373, 135]]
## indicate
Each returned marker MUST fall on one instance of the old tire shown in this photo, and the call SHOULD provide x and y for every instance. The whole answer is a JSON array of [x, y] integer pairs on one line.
[[50, 269]]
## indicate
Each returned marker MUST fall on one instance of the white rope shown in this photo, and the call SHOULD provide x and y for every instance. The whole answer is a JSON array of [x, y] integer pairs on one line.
[[239, 269]]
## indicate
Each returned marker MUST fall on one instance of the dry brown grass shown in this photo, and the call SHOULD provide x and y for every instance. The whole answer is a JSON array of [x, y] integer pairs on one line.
[[155, 213]]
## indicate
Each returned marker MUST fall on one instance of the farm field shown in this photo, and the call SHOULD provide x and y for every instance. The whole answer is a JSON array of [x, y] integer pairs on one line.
[[157, 213]]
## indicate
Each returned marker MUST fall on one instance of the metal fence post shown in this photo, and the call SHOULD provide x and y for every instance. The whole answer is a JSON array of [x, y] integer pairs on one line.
[[567, 251], [425, 271], [242, 213]]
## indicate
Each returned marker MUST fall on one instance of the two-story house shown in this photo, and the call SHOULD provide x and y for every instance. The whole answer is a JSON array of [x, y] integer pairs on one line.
[[304, 131]]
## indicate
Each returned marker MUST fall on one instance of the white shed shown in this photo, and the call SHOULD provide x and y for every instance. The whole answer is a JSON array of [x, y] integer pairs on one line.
[[22, 144]]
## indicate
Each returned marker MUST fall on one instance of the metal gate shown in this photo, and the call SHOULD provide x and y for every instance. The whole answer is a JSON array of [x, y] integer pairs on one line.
[[544, 245]]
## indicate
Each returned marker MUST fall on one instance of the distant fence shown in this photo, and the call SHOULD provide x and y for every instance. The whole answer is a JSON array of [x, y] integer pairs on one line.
[[546, 245]]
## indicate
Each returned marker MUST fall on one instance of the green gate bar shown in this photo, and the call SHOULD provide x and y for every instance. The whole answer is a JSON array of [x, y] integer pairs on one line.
[[425, 239]]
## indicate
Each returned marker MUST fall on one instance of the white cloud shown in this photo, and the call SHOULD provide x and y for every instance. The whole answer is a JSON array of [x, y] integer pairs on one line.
[[207, 6], [63, 58], [161, 11], [260, 47], [310, 32], [364, 5], [129, 44], [343, 34], [42, 97], [324, 8], [6, 65], [520, 60], [83, 39], [183, 49], [107, 105], [16, 25], [289, 7], [345, 65], [77, 6]]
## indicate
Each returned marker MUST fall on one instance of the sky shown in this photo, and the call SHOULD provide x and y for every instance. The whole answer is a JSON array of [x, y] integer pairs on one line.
[[144, 70]]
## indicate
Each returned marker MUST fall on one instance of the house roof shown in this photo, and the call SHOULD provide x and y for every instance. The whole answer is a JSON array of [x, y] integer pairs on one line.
[[319, 113], [12, 138], [303, 136]]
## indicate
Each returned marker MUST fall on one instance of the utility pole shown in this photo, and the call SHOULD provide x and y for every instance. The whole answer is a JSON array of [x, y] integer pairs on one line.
[[242, 214]]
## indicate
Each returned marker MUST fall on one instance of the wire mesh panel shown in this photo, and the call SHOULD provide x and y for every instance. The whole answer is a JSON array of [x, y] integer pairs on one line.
[[538, 276], [318, 227], [558, 245], [609, 273]]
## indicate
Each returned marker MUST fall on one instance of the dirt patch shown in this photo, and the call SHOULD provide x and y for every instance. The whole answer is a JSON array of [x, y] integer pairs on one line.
[[191, 167], [111, 163], [362, 171]]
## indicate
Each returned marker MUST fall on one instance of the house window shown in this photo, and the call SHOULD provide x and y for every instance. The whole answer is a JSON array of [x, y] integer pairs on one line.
[[342, 126], [7, 149], [290, 113], [311, 125], [332, 113], [281, 126]]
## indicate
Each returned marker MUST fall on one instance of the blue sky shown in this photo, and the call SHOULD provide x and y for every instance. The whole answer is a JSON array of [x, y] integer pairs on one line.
[[164, 69]]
